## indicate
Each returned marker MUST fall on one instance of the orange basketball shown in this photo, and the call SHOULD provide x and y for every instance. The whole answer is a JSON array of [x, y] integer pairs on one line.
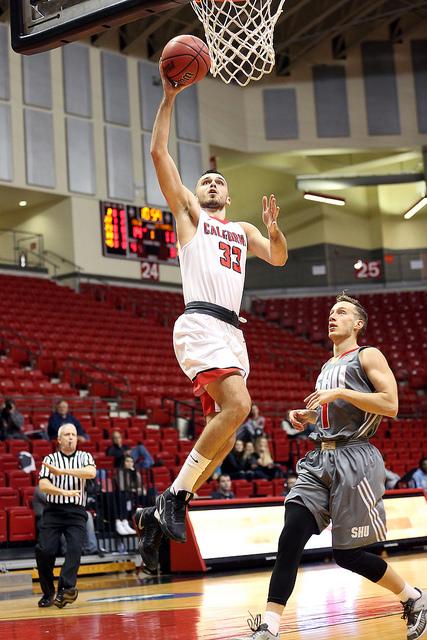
[[185, 60]]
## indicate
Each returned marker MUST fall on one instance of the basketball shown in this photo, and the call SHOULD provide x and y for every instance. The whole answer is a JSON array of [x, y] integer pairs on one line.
[[185, 60]]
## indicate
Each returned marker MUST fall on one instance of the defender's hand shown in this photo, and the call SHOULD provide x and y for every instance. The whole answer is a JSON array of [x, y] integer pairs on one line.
[[299, 418], [319, 398]]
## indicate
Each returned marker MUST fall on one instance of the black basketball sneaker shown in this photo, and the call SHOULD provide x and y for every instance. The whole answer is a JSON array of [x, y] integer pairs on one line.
[[172, 509], [150, 536], [415, 614]]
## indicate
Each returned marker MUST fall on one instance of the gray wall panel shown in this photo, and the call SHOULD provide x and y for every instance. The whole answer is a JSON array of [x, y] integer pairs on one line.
[[187, 115], [150, 92], [6, 161], [81, 156], [190, 163], [280, 114], [77, 89], [330, 95], [381, 96], [118, 144], [37, 80], [115, 88], [419, 65], [40, 155], [153, 193], [4, 63]]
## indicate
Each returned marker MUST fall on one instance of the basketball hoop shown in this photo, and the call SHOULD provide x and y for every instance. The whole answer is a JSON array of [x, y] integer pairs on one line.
[[239, 34]]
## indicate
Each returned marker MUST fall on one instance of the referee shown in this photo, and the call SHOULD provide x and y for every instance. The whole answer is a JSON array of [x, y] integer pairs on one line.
[[63, 477]]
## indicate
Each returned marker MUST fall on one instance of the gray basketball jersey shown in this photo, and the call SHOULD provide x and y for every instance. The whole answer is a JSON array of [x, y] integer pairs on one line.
[[341, 420]]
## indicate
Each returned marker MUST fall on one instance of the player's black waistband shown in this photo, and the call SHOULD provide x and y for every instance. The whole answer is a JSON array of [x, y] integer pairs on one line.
[[214, 310], [330, 445]]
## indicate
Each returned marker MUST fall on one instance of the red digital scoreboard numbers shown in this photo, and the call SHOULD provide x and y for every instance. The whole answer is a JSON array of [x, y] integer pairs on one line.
[[138, 233]]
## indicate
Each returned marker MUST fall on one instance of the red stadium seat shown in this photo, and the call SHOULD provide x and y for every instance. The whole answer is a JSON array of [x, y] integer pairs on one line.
[[3, 526], [263, 488], [8, 462], [18, 479], [242, 488], [21, 524], [27, 496], [16, 446], [9, 497], [41, 447]]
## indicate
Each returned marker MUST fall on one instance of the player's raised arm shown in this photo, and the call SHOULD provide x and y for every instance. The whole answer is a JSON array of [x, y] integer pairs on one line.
[[275, 249], [180, 199]]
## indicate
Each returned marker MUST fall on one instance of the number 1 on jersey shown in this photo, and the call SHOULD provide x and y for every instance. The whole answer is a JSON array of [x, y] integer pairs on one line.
[[228, 253]]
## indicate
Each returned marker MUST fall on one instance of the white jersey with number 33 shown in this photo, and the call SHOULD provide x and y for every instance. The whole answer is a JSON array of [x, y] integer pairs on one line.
[[213, 263]]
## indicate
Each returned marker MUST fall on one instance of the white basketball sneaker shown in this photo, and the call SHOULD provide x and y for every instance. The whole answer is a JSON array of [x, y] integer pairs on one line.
[[259, 630], [415, 614]]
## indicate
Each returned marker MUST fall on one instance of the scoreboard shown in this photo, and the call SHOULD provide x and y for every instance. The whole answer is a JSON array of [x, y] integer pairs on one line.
[[138, 233]]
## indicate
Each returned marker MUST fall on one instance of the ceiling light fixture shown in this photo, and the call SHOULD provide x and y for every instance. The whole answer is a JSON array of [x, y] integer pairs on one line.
[[415, 208], [318, 197], [22, 203]]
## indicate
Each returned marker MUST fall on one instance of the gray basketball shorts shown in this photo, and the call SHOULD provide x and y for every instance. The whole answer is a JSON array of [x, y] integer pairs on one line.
[[344, 486]]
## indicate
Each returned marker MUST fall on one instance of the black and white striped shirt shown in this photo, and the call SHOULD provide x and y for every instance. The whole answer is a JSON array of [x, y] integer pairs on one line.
[[77, 460]]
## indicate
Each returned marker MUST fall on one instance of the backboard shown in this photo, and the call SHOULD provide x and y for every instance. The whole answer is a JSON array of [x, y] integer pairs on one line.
[[39, 25]]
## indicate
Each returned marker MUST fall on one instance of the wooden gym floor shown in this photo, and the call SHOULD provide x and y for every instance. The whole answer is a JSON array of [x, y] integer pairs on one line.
[[328, 603]]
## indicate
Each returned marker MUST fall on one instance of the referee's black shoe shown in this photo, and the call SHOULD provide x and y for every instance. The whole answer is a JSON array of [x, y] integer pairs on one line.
[[46, 601], [172, 510], [65, 596], [150, 536]]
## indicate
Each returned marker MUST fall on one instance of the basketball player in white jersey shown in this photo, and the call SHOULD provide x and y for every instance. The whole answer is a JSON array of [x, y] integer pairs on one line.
[[342, 480], [208, 343]]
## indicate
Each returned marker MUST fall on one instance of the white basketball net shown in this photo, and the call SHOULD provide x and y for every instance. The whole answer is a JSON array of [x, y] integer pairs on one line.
[[239, 36]]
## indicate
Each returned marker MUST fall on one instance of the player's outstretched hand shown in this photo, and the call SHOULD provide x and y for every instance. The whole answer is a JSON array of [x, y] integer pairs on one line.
[[319, 398], [169, 88], [270, 212]]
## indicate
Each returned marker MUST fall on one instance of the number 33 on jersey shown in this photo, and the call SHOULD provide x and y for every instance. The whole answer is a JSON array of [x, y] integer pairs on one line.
[[213, 263]]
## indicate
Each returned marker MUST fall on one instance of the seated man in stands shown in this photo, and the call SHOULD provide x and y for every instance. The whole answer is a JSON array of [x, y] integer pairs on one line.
[[419, 477], [62, 416], [142, 457], [116, 449], [11, 422], [253, 428], [224, 491]]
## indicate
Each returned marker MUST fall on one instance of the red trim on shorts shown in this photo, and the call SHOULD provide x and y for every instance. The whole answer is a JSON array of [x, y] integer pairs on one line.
[[206, 377], [208, 404]]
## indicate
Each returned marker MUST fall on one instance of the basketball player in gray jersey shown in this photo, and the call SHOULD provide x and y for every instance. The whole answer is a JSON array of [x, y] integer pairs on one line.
[[342, 480]]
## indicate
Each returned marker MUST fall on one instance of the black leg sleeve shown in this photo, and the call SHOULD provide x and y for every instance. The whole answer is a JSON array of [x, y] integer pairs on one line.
[[362, 562], [300, 525]]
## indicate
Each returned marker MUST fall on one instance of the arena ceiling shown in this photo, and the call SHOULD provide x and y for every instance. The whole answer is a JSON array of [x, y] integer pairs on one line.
[[303, 25]]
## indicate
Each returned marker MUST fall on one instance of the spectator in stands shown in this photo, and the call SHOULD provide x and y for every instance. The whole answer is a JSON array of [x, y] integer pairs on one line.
[[234, 463], [62, 416], [141, 457], [224, 491], [128, 494], [251, 466], [391, 478], [265, 460], [253, 428], [11, 422], [419, 477], [116, 449]]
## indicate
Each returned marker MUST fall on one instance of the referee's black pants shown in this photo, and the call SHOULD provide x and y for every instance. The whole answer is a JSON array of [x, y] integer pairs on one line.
[[57, 519]]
